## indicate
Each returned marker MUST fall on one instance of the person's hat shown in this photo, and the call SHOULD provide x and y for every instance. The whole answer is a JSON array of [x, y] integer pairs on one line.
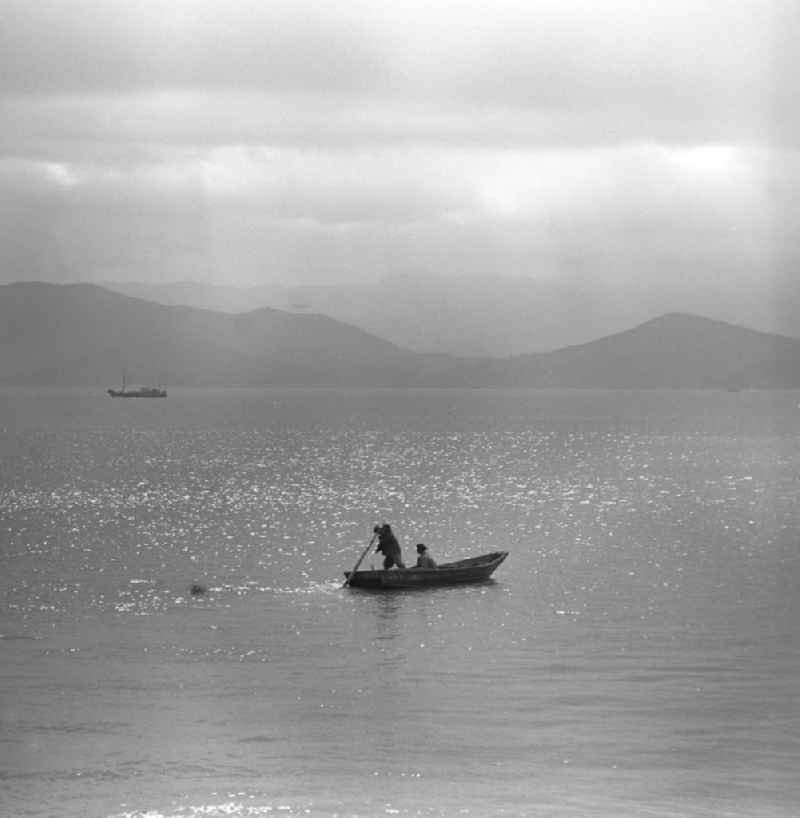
[[421, 547]]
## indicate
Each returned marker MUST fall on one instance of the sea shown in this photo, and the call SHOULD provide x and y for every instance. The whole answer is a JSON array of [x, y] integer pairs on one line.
[[637, 655]]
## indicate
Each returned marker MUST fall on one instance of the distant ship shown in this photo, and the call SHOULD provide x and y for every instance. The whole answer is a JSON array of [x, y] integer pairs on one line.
[[139, 392]]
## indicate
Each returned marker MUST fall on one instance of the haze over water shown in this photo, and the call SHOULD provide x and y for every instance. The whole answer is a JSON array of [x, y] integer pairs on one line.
[[636, 655]]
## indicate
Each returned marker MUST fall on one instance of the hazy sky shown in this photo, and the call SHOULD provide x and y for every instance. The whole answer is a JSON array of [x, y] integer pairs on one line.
[[638, 145]]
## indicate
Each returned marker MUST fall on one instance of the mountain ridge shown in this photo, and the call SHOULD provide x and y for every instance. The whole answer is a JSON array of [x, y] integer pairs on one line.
[[468, 315], [86, 334]]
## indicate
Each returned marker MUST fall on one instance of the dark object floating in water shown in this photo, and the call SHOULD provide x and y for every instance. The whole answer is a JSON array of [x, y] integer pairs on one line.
[[197, 589], [475, 569], [140, 392]]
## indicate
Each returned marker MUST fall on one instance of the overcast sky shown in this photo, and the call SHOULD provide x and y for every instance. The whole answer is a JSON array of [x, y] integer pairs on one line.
[[632, 143]]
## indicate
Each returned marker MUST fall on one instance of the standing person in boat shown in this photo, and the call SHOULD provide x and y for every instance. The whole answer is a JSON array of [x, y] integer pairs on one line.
[[424, 560], [387, 543]]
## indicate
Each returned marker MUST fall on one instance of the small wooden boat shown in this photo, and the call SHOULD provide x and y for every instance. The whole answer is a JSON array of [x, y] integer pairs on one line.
[[475, 569]]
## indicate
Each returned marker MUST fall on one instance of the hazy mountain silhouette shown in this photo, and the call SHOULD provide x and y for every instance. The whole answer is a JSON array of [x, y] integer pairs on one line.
[[85, 334], [673, 351], [430, 314], [217, 297], [472, 316]]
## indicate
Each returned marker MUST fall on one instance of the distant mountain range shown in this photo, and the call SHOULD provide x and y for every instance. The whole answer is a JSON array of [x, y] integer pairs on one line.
[[419, 313], [466, 316], [86, 334]]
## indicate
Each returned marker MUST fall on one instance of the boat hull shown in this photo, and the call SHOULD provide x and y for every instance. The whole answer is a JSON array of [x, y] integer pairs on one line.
[[138, 393], [475, 569]]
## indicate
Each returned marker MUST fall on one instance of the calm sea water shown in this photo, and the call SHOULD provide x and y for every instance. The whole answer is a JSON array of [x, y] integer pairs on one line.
[[638, 654]]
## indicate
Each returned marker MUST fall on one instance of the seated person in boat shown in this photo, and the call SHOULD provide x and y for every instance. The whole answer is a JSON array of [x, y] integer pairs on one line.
[[387, 543], [424, 560]]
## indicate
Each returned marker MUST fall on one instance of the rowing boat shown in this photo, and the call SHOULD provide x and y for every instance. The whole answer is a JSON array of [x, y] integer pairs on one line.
[[475, 569]]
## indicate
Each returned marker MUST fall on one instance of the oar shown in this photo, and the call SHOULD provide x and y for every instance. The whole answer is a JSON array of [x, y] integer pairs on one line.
[[360, 560]]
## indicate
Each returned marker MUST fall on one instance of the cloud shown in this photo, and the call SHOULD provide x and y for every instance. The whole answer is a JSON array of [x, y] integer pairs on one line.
[[627, 145], [305, 72], [79, 46], [25, 177], [540, 211], [622, 67]]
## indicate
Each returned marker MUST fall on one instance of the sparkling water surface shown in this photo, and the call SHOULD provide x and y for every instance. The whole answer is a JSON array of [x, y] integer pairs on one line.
[[638, 653]]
